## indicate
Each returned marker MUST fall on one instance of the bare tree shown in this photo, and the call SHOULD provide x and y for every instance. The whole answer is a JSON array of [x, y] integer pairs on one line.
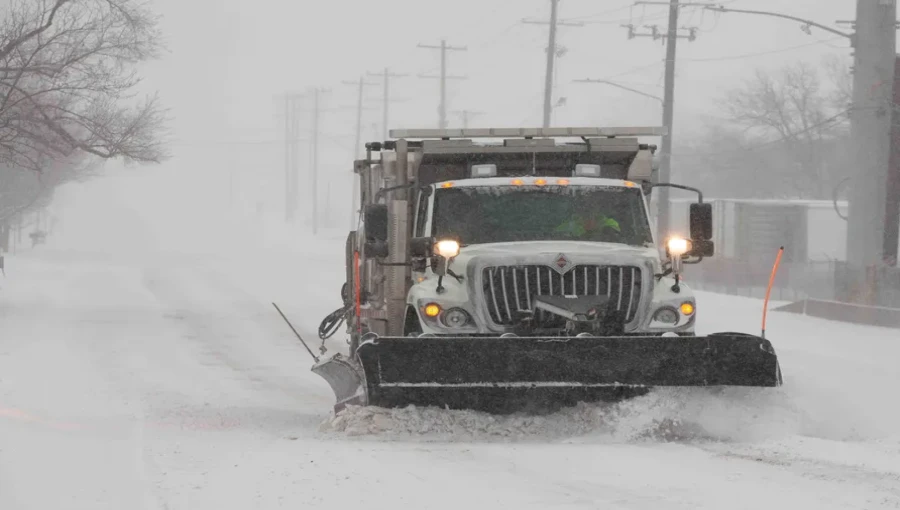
[[24, 191], [723, 163], [781, 135], [67, 82], [841, 78]]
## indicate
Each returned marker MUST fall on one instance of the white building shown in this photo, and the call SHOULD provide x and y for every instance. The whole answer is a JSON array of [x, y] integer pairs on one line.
[[809, 230]]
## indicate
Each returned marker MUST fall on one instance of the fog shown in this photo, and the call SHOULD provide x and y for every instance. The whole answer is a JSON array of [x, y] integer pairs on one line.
[[752, 357], [227, 63]]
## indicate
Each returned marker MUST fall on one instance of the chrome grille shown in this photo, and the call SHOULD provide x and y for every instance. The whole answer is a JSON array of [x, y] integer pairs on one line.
[[509, 289]]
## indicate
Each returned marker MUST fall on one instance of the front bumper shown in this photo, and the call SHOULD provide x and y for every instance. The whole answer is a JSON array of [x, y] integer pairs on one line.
[[473, 295]]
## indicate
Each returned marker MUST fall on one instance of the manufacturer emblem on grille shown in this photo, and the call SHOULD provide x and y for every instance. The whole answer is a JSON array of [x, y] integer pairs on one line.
[[562, 264]]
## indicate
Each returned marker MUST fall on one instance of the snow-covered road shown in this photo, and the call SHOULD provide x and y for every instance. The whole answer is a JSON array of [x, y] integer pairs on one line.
[[170, 382]]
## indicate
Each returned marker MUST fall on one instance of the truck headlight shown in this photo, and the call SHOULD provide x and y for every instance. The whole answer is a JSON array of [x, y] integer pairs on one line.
[[666, 316], [677, 246], [447, 248], [455, 318]]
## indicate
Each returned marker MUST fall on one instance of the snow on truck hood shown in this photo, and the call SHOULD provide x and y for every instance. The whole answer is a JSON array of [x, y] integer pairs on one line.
[[531, 252]]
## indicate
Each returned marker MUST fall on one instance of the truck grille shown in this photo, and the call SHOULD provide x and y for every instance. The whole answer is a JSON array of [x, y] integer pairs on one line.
[[509, 289]]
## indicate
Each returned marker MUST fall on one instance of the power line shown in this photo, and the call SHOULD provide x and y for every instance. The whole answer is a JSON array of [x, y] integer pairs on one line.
[[830, 120], [761, 53], [618, 85], [634, 70], [625, 7]]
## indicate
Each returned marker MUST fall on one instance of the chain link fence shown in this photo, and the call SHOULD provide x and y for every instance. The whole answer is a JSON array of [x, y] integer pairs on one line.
[[828, 280]]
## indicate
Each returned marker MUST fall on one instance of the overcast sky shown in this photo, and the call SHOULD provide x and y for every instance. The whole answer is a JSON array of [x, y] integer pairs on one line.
[[229, 60]]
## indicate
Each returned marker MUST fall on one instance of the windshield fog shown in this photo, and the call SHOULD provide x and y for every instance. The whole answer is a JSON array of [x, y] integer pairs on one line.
[[481, 215]]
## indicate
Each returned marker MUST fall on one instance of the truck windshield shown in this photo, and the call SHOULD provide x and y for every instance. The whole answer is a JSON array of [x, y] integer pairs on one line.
[[484, 214]]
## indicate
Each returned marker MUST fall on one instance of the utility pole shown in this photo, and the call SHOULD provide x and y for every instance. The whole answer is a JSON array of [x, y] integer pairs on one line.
[[670, 39], [386, 75], [665, 163], [874, 42], [551, 55], [892, 189], [466, 115], [290, 106], [442, 109], [354, 199], [871, 116], [314, 155], [314, 169]]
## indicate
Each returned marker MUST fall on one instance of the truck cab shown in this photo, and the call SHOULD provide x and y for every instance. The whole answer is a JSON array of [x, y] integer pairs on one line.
[[527, 236], [521, 238]]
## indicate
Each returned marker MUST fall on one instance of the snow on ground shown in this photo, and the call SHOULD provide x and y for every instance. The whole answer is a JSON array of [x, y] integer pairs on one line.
[[163, 378], [839, 385]]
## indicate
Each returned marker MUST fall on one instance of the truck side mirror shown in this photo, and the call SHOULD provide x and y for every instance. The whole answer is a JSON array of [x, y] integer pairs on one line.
[[376, 222], [375, 217], [701, 222], [703, 249], [421, 247]]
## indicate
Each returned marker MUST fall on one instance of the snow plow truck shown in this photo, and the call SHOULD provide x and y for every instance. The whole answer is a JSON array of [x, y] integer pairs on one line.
[[517, 270]]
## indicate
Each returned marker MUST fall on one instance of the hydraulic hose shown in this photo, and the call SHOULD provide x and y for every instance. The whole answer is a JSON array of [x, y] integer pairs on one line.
[[333, 321]]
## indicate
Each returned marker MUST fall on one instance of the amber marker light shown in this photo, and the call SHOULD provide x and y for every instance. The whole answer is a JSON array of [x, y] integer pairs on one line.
[[432, 310]]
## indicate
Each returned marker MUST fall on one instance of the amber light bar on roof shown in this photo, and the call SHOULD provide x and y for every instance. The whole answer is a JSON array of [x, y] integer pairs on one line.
[[528, 132]]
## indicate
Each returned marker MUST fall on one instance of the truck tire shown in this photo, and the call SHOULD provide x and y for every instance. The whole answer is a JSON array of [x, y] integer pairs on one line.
[[349, 250]]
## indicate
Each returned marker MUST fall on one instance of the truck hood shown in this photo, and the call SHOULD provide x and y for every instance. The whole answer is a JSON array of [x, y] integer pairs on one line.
[[548, 252]]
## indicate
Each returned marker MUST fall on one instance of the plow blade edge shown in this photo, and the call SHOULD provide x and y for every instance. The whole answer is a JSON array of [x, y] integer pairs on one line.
[[536, 374]]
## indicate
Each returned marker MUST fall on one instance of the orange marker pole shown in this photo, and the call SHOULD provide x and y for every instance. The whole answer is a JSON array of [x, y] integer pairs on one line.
[[769, 289]]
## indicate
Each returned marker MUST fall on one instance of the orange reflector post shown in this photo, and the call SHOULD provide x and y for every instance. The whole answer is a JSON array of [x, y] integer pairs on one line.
[[432, 310], [769, 289]]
